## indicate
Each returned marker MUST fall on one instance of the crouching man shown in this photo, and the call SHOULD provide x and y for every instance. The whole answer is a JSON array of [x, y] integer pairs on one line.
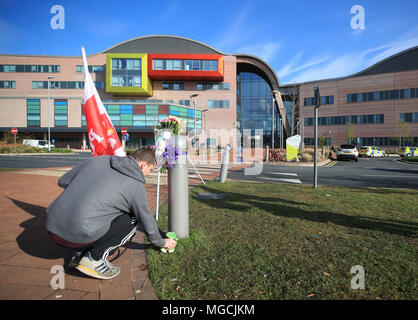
[[103, 200]]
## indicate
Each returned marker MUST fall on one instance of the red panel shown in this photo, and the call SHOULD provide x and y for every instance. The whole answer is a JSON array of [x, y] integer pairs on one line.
[[163, 110], [186, 74], [138, 109]]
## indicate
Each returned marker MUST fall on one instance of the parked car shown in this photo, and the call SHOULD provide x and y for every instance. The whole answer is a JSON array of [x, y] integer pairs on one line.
[[409, 152], [347, 151], [37, 143], [376, 152], [365, 151]]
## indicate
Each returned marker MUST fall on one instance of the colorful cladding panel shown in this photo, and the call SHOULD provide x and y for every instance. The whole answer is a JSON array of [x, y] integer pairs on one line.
[[127, 73], [148, 115], [186, 67]]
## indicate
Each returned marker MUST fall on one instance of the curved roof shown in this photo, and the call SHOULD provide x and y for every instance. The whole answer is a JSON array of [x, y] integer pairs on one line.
[[406, 60], [162, 44]]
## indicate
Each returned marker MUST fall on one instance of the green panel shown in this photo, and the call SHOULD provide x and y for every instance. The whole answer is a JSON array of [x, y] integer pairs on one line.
[[198, 114], [126, 123], [60, 111], [149, 108], [113, 111], [125, 116], [34, 123], [173, 108], [183, 112], [113, 107]]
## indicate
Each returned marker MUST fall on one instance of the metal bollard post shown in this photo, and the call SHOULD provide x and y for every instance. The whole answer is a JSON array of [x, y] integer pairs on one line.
[[178, 191], [267, 153], [225, 164]]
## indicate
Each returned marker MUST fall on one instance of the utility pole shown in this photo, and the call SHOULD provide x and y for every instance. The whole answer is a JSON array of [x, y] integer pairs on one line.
[[49, 125], [317, 99]]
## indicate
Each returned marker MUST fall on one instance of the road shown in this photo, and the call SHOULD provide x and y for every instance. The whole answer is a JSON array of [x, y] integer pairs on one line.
[[367, 172], [42, 160]]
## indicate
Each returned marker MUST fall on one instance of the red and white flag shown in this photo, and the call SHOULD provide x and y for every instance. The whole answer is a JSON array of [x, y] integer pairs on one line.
[[103, 137]]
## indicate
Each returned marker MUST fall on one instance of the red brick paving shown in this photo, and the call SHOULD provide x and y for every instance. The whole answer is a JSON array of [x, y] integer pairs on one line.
[[27, 254]]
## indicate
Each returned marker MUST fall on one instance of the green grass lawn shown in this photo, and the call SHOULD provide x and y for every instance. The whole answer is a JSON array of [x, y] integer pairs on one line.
[[282, 241], [411, 159]]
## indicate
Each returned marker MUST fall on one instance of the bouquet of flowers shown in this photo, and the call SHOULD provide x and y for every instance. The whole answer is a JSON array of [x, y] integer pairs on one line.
[[165, 131], [174, 124]]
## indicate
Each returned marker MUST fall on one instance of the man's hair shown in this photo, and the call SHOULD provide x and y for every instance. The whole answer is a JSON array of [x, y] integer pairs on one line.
[[145, 154]]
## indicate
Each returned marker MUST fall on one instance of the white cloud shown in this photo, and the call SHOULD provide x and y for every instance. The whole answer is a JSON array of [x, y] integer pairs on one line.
[[265, 51], [347, 64]]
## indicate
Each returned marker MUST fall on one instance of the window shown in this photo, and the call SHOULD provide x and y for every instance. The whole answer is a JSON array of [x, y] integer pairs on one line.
[[92, 69], [218, 104], [173, 85], [33, 112], [212, 86], [8, 84], [29, 68], [184, 102], [188, 65], [158, 64], [126, 73], [169, 64], [177, 64], [60, 113]]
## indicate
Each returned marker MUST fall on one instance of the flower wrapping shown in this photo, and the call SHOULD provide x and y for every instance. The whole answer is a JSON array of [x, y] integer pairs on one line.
[[165, 152]]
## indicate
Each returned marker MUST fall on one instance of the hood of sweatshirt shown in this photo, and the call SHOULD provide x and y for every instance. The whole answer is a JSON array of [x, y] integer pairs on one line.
[[127, 166]]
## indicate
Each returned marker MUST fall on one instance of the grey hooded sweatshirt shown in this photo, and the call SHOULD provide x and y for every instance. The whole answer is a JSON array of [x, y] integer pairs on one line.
[[97, 191]]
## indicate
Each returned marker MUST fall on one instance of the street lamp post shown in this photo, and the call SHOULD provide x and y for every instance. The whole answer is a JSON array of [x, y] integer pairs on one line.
[[272, 118], [49, 125]]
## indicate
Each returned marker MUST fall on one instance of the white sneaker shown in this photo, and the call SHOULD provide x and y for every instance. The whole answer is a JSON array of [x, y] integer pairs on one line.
[[101, 269]]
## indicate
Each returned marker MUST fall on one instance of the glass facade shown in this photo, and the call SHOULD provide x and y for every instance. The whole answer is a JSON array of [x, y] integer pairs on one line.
[[60, 113], [126, 73], [188, 65], [254, 107], [33, 112]]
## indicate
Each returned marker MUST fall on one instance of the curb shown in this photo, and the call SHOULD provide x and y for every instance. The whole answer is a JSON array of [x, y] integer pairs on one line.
[[36, 154], [407, 162], [299, 164]]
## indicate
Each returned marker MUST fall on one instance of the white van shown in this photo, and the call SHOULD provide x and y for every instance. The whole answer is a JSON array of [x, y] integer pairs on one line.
[[37, 143]]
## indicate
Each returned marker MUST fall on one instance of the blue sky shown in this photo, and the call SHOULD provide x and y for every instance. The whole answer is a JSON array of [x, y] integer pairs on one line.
[[301, 40]]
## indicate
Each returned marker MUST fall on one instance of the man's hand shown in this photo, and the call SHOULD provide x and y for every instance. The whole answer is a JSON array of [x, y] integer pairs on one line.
[[170, 243]]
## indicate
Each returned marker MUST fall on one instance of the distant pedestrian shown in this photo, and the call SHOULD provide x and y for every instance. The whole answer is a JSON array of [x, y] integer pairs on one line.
[[103, 200]]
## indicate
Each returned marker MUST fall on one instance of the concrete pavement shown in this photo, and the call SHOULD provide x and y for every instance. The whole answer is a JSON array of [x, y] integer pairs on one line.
[[31, 264]]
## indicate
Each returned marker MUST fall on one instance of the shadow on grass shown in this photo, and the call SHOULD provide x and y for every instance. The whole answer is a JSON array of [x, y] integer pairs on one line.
[[286, 208]]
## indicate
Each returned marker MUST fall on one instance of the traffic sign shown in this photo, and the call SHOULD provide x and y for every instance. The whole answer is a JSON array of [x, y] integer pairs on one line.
[[14, 130], [124, 131]]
